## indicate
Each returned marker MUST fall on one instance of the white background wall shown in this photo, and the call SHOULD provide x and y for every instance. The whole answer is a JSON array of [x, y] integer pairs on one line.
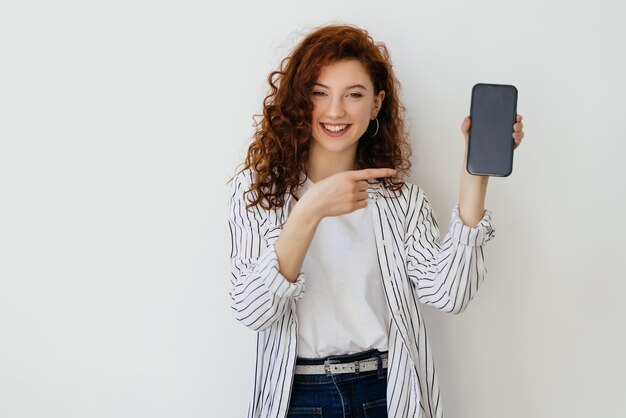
[[121, 121]]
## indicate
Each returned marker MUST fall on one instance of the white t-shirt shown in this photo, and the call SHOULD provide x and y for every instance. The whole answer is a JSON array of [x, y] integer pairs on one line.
[[343, 309]]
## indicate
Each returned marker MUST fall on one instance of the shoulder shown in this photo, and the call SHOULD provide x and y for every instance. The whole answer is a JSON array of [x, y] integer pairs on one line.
[[242, 182], [240, 187], [242, 192], [415, 192], [408, 192], [243, 178], [409, 199]]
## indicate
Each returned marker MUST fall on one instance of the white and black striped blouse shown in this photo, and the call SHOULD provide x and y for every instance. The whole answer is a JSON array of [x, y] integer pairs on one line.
[[414, 266]]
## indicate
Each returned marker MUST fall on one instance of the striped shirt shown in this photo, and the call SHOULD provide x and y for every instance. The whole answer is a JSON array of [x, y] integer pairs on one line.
[[414, 266]]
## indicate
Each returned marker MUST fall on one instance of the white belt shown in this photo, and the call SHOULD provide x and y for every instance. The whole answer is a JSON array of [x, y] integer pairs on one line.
[[329, 368]]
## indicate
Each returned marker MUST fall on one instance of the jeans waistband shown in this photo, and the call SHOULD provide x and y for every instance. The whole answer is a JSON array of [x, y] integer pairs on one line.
[[342, 358]]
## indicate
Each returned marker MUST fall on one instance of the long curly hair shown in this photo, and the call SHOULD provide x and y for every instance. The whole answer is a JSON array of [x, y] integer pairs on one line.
[[280, 148]]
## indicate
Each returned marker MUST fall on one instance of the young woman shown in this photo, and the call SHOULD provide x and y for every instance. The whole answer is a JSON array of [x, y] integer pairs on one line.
[[320, 201]]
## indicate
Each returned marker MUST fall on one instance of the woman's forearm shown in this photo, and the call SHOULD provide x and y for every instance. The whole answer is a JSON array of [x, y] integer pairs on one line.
[[472, 192], [294, 241]]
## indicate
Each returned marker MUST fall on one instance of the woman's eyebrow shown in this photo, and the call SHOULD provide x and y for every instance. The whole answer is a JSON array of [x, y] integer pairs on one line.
[[354, 86]]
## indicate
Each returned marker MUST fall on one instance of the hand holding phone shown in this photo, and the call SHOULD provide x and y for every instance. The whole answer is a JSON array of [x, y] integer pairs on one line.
[[493, 113]]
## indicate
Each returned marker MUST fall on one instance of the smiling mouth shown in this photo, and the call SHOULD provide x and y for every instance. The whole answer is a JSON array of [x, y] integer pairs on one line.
[[335, 128]]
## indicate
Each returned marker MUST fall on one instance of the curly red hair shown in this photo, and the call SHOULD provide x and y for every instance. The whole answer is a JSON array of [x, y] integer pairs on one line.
[[280, 148]]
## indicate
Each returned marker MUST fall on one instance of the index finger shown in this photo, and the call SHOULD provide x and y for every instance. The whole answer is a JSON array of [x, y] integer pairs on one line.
[[372, 173]]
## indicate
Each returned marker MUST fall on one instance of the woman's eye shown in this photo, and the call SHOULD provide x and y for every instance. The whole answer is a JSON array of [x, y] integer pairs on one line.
[[321, 93]]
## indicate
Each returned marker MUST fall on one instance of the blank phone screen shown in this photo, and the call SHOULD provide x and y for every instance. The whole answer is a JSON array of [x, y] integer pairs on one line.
[[493, 113]]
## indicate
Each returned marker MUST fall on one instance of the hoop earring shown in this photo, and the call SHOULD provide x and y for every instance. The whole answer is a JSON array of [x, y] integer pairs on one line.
[[377, 125]]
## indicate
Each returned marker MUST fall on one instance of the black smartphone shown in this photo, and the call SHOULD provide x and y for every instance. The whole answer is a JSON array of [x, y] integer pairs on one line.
[[493, 111]]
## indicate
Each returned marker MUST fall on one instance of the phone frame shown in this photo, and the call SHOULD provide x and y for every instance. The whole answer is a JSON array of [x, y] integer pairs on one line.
[[469, 142]]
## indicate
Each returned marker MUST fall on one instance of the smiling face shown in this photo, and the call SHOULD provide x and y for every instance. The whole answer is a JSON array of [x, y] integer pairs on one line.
[[344, 103]]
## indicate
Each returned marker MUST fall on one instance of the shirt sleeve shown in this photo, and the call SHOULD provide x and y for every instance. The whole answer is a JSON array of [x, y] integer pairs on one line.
[[445, 274], [259, 292]]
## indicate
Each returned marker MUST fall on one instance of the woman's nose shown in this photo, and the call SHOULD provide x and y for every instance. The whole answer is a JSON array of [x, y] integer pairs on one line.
[[335, 108]]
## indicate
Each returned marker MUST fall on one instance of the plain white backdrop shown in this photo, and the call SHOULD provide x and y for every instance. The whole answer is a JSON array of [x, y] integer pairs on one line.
[[121, 122]]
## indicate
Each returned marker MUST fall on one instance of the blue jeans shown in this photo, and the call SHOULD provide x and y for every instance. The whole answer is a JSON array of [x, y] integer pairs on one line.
[[353, 395]]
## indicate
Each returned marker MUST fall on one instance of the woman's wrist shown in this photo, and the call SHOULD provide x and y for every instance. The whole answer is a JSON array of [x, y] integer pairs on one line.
[[306, 212], [472, 194]]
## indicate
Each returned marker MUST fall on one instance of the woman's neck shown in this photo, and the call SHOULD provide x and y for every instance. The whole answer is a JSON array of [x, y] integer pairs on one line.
[[322, 166]]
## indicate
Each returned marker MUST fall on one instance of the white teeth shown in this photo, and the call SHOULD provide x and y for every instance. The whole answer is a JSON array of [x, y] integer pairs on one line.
[[335, 128]]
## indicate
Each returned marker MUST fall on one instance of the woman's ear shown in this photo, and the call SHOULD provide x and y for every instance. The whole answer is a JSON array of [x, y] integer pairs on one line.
[[379, 99], [378, 102]]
